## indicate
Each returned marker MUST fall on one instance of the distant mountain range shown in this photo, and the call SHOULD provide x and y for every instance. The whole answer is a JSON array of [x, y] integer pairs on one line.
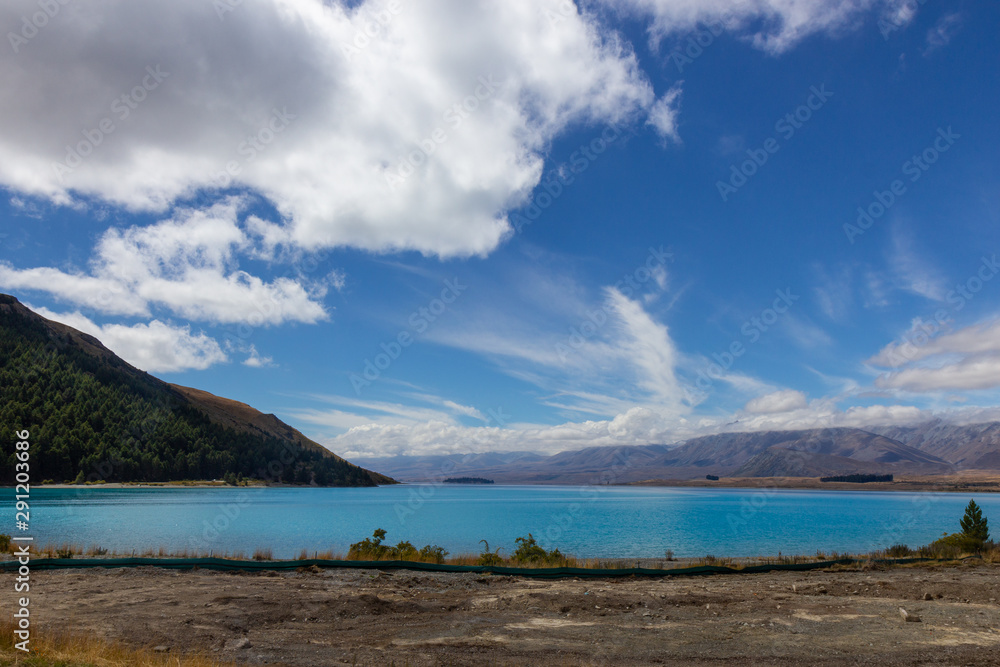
[[933, 448], [93, 416]]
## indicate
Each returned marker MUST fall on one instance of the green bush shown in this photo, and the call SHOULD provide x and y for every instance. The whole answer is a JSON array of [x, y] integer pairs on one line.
[[433, 554], [948, 546], [529, 553], [371, 548], [489, 558], [899, 551], [4, 543]]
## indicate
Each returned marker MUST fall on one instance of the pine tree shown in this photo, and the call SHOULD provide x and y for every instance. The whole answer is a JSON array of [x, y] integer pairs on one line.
[[974, 525]]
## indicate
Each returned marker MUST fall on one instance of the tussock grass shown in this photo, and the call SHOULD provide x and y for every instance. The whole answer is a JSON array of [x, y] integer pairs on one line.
[[66, 649]]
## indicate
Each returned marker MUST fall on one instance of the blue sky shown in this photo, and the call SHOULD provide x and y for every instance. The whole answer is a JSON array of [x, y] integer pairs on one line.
[[518, 225]]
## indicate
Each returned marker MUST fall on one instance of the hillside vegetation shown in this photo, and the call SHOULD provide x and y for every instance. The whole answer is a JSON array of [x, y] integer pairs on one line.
[[92, 416]]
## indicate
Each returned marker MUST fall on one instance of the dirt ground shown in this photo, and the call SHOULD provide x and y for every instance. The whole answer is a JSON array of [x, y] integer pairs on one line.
[[366, 617]]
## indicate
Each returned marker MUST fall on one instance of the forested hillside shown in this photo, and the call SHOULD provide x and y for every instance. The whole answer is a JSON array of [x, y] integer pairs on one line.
[[91, 413]]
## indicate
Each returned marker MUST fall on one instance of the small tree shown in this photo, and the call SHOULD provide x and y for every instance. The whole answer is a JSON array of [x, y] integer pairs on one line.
[[974, 525], [80, 478]]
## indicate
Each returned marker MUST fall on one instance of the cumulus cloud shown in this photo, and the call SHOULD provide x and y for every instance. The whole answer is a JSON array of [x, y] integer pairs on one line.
[[420, 136], [153, 347], [779, 401], [186, 264], [377, 125], [636, 426]]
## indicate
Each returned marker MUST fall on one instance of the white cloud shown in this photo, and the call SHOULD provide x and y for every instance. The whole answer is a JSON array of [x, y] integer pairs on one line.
[[966, 359], [779, 401], [301, 107], [805, 334], [942, 33], [291, 99], [596, 354], [663, 114], [771, 25], [834, 292], [187, 264], [636, 426], [155, 347], [913, 272], [975, 372]]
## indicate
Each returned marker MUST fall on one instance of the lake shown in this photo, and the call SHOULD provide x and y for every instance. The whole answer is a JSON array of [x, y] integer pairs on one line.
[[584, 521]]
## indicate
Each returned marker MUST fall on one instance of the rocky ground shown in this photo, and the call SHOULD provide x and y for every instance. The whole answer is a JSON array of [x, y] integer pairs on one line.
[[364, 617]]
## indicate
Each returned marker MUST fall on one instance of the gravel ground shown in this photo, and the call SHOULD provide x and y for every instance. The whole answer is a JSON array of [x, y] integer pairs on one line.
[[365, 617]]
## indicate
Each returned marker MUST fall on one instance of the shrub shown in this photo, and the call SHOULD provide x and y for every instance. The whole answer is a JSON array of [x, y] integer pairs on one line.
[[4, 543], [403, 551], [948, 546], [898, 551], [371, 548], [80, 478], [433, 554], [489, 558], [528, 552]]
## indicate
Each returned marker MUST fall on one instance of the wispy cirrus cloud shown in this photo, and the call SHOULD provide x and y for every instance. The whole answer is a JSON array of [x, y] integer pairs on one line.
[[771, 25], [966, 359]]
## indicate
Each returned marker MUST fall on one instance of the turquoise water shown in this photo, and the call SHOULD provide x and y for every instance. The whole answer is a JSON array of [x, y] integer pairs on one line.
[[583, 521]]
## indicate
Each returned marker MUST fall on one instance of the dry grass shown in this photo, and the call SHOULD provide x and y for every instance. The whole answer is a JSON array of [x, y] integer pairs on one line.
[[63, 649], [989, 555]]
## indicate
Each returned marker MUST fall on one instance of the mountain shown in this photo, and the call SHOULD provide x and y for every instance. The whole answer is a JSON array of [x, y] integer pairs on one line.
[[817, 452], [90, 413], [441, 466], [969, 446], [807, 453]]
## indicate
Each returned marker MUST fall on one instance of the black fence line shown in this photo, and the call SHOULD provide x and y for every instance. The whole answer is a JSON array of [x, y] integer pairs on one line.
[[550, 572]]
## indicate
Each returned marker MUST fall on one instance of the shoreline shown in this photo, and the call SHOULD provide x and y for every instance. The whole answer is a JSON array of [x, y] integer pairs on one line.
[[971, 482], [967, 482]]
